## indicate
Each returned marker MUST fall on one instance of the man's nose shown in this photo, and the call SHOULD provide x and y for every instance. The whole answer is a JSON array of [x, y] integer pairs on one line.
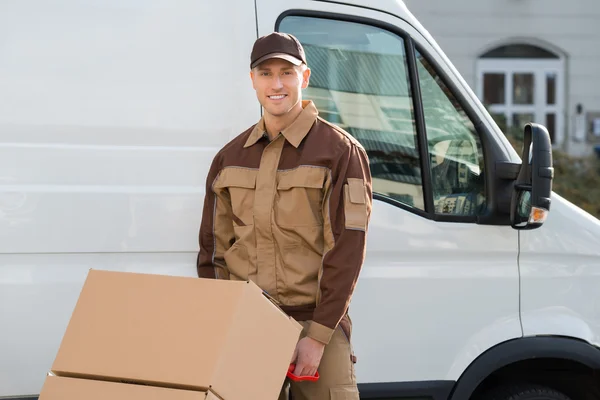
[[277, 84]]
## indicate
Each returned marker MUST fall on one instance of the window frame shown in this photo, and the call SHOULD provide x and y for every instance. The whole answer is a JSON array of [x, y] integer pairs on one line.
[[411, 47]]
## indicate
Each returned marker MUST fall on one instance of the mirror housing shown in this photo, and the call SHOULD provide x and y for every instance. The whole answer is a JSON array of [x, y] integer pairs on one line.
[[531, 197]]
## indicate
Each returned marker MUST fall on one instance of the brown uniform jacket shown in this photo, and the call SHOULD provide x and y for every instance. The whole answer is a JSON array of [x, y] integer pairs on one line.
[[290, 215]]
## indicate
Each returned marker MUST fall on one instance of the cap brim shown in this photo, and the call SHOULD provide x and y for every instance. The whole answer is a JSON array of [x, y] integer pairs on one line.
[[282, 56]]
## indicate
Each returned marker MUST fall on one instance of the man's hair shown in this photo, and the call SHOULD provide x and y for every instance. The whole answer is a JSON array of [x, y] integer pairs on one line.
[[303, 67]]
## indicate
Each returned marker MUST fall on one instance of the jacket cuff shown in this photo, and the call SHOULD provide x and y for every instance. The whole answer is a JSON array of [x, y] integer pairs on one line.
[[319, 332]]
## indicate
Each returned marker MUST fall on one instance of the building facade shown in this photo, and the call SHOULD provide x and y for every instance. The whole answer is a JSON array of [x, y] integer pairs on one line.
[[527, 60]]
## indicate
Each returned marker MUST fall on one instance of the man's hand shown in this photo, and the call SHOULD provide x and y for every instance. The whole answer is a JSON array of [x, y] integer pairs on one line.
[[307, 356]]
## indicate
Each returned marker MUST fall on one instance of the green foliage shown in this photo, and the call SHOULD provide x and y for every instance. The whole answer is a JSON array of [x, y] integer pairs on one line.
[[578, 180]]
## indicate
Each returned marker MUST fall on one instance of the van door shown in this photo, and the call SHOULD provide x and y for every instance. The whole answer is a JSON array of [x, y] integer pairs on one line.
[[437, 287]]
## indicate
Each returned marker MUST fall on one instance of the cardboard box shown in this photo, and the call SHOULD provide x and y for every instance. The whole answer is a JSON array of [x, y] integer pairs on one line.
[[176, 332], [61, 388]]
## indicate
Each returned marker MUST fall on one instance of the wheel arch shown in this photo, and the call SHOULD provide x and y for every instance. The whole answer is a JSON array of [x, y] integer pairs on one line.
[[522, 349]]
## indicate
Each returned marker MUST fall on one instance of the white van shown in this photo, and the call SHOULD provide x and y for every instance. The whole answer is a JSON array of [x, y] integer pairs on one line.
[[111, 111]]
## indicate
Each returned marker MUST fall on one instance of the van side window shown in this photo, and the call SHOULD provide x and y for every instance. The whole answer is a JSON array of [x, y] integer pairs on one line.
[[455, 151], [360, 82]]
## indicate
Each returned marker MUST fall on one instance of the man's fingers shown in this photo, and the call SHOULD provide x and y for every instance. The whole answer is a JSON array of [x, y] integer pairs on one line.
[[304, 370], [299, 369]]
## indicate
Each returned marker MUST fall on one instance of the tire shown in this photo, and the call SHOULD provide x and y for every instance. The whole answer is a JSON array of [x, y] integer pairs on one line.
[[524, 392]]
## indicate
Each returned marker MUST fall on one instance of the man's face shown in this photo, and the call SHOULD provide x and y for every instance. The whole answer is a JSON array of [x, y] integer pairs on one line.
[[278, 84]]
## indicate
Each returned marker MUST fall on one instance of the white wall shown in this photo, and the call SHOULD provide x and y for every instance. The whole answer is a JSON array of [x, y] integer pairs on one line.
[[466, 28]]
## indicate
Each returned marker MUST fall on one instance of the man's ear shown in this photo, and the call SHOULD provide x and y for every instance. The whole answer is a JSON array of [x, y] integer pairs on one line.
[[252, 78], [305, 78]]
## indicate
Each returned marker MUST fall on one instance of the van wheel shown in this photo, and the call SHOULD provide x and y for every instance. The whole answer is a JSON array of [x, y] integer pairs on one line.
[[524, 392]]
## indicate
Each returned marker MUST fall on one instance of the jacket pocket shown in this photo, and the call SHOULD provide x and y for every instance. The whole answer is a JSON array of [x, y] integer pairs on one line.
[[299, 273], [299, 197], [355, 204], [238, 262], [344, 393], [240, 184]]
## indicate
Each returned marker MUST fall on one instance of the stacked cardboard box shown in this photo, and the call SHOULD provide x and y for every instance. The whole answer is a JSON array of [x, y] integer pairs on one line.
[[144, 336]]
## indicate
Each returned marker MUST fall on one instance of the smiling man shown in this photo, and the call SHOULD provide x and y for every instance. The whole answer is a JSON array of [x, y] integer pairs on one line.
[[287, 206]]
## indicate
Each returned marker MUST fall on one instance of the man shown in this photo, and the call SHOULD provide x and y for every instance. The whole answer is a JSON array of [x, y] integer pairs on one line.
[[287, 206]]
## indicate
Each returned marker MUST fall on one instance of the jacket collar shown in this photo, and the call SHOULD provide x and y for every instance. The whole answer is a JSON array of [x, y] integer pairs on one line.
[[294, 133]]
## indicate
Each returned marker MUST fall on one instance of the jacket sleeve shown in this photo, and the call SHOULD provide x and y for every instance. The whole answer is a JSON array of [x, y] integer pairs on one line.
[[216, 229], [346, 211]]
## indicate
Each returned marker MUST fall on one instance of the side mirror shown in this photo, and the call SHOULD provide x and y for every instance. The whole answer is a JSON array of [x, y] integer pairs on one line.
[[530, 202]]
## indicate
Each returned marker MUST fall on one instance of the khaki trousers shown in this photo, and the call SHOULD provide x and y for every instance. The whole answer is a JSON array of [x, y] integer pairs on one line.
[[337, 380]]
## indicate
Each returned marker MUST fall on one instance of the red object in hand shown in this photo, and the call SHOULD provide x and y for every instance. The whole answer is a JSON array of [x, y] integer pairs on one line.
[[290, 374]]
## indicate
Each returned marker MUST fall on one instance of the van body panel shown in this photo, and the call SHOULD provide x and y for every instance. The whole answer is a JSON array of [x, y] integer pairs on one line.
[[419, 281], [110, 114], [123, 125], [560, 274]]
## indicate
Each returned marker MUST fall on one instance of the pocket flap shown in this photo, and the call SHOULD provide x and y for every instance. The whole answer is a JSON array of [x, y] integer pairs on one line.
[[236, 177], [357, 190], [307, 177]]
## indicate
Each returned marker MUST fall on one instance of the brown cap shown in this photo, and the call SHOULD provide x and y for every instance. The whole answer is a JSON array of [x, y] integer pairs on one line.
[[277, 45]]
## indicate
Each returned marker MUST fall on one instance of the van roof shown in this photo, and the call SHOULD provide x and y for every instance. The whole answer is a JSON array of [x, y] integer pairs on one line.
[[395, 7], [390, 6]]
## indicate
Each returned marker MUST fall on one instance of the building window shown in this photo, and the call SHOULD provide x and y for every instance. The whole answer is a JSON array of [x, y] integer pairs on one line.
[[513, 51], [522, 83]]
